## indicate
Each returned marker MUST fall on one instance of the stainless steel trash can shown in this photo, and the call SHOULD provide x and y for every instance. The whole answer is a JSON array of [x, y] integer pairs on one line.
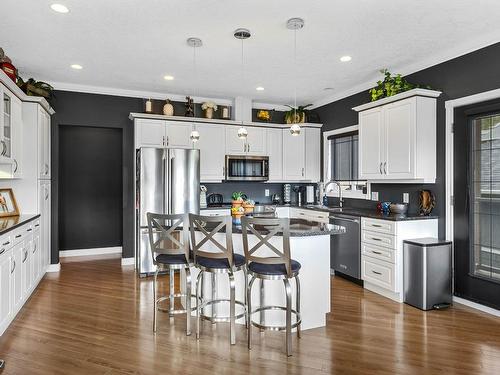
[[427, 273]]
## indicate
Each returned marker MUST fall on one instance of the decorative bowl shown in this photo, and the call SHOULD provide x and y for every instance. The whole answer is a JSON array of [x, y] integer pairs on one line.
[[399, 208]]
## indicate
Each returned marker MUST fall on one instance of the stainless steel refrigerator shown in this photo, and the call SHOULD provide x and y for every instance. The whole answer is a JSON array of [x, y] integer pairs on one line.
[[167, 181]]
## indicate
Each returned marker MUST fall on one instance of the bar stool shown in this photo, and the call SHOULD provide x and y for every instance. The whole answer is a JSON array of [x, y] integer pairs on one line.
[[169, 243], [219, 259], [279, 266]]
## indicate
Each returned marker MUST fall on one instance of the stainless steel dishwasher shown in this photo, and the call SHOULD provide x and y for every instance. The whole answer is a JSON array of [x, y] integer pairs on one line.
[[345, 250]]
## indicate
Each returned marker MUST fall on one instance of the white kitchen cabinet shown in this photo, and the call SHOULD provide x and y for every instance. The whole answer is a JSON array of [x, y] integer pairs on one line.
[[16, 281], [216, 212], [36, 262], [17, 138], [178, 134], [43, 144], [6, 125], [293, 156], [45, 212], [275, 152], [253, 144], [212, 152], [27, 266], [5, 288], [312, 154], [397, 139]]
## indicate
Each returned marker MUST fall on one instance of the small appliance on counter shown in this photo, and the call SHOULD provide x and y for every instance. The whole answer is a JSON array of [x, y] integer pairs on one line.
[[287, 193], [298, 190], [275, 199], [203, 196], [310, 195], [215, 200]]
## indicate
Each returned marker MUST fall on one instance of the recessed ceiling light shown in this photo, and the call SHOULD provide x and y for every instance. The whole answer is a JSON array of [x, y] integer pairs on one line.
[[168, 78], [76, 66], [328, 88], [259, 88], [59, 8], [345, 58]]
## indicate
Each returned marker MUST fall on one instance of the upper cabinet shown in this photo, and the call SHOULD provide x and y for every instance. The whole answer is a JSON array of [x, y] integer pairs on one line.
[[212, 152], [43, 144], [301, 155], [275, 152], [159, 133], [397, 139], [254, 144]]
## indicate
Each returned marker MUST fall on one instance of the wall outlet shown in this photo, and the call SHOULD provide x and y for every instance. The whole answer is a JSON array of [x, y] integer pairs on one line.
[[406, 198], [266, 192], [374, 195]]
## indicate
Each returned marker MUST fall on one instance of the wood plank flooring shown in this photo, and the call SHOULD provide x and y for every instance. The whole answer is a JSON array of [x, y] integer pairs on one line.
[[95, 318]]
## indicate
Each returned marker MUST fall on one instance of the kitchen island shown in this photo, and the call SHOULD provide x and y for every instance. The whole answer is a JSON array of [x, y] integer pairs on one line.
[[310, 246]]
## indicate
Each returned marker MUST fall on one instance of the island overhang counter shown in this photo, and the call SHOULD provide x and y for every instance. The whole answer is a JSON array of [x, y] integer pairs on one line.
[[309, 245]]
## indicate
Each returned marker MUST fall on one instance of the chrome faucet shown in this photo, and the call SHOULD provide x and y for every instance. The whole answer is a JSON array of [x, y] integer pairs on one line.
[[341, 200]]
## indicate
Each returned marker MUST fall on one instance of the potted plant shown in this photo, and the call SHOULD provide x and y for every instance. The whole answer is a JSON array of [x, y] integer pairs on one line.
[[35, 88], [296, 114], [248, 206], [209, 108], [237, 199], [391, 85]]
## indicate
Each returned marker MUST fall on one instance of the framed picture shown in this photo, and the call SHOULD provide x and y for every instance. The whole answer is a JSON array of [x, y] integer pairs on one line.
[[8, 204]]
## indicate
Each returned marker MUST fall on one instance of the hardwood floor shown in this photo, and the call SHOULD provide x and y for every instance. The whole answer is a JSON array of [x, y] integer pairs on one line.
[[95, 318]]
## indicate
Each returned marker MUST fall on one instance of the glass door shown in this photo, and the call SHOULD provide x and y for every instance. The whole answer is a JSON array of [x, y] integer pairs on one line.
[[477, 203], [6, 143]]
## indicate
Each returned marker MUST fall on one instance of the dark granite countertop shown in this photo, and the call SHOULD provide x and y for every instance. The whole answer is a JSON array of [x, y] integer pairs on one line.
[[298, 228], [9, 223], [347, 211]]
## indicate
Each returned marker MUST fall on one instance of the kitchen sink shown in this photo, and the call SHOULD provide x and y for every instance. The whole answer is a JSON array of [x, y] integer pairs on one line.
[[326, 208]]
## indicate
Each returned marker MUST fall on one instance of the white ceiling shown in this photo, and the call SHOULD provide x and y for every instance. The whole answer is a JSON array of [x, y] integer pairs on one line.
[[131, 45]]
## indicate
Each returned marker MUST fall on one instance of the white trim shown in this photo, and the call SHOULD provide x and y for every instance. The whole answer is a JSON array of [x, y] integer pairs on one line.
[[93, 251], [432, 60], [128, 261], [477, 306], [394, 98], [270, 106], [53, 267]]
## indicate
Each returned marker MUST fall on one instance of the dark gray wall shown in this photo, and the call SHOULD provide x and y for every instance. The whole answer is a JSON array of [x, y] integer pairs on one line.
[[466, 75], [79, 109]]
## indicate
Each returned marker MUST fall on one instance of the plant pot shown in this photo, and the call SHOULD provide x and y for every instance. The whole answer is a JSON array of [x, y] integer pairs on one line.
[[248, 208], [209, 113], [237, 204]]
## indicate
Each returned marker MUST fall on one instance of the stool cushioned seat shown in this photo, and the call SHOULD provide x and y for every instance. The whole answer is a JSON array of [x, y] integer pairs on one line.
[[171, 259], [239, 260], [273, 269]]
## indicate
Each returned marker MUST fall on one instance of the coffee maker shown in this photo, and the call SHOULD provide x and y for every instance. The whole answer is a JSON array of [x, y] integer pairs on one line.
[[307, 195]]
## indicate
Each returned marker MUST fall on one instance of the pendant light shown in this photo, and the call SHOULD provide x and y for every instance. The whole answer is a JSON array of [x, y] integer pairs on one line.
[[295, 24], [194, 43], [242, 34]]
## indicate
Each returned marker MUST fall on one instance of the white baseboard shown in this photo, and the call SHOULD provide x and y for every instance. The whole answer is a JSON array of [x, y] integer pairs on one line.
[[53, 267], [128, 261], [477, 306], [94, 251]]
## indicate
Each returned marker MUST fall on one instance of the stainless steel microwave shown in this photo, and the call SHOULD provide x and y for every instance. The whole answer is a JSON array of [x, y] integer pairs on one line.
[[247, 168]]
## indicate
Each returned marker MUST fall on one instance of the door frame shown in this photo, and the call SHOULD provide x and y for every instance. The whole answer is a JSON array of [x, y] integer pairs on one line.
[[450, 106]]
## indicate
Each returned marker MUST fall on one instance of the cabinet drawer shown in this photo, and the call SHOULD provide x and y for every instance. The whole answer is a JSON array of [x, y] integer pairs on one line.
[[378, 272], [378, 252], [378, 239], [36, 225], [18, 235], [381, 226], [221, 212]]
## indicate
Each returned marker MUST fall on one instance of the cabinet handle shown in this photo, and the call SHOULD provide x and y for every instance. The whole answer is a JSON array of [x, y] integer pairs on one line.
[[376, 225], [380, 168], [16, 166], [4, 147], [13, 266], [248, 147], [302, 172], [19, 235], [37, 225], [167, 140], [34, 248], [376, 239], [2, 251], [29, 229], [6, 243], [163, 140], [25, 255], [376, 252], [377, 273], [385, 165]]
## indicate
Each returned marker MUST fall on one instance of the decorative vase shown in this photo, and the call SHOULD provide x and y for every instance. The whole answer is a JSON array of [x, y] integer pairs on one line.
[[149, 106], [209, 113], [427, 202], [168, 108], [248, 208]]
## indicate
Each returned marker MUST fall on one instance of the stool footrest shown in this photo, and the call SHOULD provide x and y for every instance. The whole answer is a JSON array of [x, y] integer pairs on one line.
[[176, 295], [273, 327], [220, 319]]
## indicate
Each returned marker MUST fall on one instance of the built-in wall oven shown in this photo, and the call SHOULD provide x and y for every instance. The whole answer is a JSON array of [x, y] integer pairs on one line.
[[247, 168]]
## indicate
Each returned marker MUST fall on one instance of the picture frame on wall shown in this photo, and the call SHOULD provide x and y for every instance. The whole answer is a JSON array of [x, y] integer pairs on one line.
[[8, 203]]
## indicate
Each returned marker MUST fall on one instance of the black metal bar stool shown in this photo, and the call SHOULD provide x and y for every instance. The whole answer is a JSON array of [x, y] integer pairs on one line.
[[169, 243], [278, 266], [220, 259]]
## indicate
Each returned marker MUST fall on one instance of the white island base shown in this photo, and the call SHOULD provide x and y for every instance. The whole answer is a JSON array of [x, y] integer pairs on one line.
[[312, 252]]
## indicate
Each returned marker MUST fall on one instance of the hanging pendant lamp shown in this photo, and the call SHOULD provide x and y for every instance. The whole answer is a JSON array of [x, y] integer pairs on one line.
[[242, 34], [295, 24], [194, 43]]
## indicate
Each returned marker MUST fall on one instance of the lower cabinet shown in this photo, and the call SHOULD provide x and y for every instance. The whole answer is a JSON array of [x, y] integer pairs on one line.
[[382, 252], [21, 268]]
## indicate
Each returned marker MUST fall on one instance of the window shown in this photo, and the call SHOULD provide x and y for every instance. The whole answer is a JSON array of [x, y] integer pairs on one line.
[[340, 156], [344, 156]]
